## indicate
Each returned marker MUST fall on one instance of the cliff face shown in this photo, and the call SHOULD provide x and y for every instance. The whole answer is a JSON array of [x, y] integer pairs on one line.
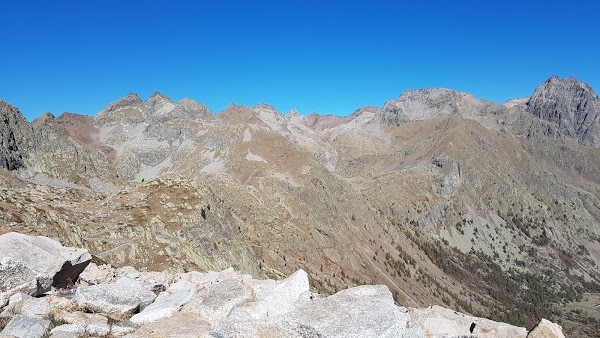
[[571, 105], [14, 135]]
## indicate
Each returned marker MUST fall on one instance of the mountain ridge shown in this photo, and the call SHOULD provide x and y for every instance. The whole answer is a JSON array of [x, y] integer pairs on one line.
[[463, 203]]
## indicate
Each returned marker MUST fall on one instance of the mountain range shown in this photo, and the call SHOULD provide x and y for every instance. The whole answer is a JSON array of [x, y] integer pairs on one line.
[[490, 209]]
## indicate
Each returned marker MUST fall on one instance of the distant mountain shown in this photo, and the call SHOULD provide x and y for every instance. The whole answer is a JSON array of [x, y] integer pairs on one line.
[[571, 105], [445, 198]]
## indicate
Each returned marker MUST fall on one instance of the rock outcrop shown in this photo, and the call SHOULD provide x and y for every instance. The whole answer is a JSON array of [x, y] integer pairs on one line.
[[546, 329], [14, 135], [229, 304], [32, 265]]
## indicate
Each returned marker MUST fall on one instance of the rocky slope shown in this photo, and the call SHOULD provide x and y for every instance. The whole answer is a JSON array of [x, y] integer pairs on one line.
[[444, 198], [105, 302]]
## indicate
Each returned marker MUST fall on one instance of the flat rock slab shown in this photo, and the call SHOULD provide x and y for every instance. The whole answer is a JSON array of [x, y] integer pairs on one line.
[[179, 325], [215, 302], [33, 264], [89, 323], [68, 331], [26, 327], [167, 303], [364, 311], [25, 305], [126, 296]]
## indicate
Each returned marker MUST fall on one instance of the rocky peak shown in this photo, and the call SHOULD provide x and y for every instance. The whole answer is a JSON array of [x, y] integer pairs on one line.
[[416, 105], [237, 114], [292, 114], [157, 97], [158, 105], [131, 100], [14, 134], [44, 119], [129, 109], [271, 117], [188, 108], [572, 105], [265, 107]]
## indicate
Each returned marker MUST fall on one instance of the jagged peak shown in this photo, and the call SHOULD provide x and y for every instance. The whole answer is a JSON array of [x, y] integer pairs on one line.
[[572, 105], [569, 93], [437, 96], [266, 107], [128, 109], [131, 99], [567, 84], [190, 104], [11, 112], [15, 133], [293, 113], [47, 116], [157, 96]]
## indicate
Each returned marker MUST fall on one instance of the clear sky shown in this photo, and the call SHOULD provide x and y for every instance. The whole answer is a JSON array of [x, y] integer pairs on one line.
[[314, 56]]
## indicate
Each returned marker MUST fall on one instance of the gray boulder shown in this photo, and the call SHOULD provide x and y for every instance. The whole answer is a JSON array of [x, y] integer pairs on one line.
[[26, 327], [68, 331], [25, 305], [364, 311], [167, 303], [34, 264], [84, 323], [274, 298], [546, 329], [126, 296]]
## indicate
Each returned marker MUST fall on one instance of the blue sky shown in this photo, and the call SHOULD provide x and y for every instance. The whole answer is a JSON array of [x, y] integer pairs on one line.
[[314, 56]]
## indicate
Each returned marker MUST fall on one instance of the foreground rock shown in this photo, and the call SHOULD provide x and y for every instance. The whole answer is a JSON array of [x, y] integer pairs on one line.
[[229, 304], [81, 323], [126, 296], [437, 321], [32, 265], [546, 329], [167, 303], [26, 305], [26, 327]]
